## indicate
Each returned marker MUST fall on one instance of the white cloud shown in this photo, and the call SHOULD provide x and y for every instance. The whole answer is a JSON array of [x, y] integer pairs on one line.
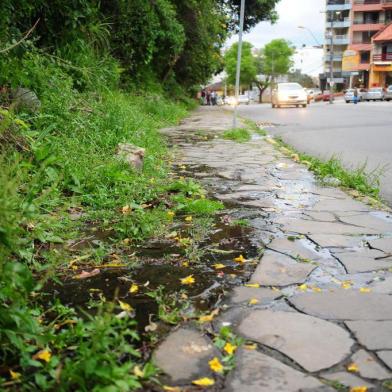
[[294, 13]]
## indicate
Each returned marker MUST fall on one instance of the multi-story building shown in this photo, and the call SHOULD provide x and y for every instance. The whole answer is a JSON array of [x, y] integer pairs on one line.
[[337, 39], [350, 28]]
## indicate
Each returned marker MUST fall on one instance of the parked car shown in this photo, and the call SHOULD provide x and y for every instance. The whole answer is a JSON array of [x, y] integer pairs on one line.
[[349, 95], [388, 93], [289, 94], [311, 93], [375, 94], [326, 95], [243, 98]]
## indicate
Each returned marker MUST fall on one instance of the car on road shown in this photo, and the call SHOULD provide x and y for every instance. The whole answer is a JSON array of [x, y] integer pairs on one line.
[[242, 99], [375, 94], [289, 94], [349, 95], [312, 93], [388, 93]]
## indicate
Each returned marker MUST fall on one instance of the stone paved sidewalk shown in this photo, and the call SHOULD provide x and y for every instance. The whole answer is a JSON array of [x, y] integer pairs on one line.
[[323, 286]]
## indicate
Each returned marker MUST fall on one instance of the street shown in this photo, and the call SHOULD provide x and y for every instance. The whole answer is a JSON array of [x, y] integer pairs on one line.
[[357, 134]]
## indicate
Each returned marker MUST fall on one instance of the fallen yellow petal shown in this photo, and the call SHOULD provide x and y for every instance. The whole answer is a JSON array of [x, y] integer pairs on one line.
[[44, 355], [134, 288], [171, 389], [138, 372], [185, 264], [253, 301], [126, 307], [353, 367], [170, 214], [240, 259], [365, 290], [219, 266], [359, 389], [15, 375], [229, 348], [188, 280], [215, 365], [252, 285], [250, 347], [316, 289], [188, 219], [126, 209], [204, 382], [346, 284], [303, 287]]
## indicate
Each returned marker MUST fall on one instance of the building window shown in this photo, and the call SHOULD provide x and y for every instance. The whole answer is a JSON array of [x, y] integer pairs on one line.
[[365, 57]]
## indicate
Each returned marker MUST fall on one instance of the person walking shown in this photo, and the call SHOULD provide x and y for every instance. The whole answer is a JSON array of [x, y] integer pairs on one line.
[[208, 95], [355, 96]]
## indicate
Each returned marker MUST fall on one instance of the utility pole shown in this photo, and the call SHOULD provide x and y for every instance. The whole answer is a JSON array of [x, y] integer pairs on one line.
[[238, 70], [331, 81]]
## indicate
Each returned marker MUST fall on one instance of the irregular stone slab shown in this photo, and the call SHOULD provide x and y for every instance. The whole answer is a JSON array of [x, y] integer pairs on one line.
[[335, 241], [369, 367], [375, 335], [276, 269], [313, 343], [384, 287], [364, 261], [347, 379], [184, 355], [384, 244], [367, 220], [386, 357], [343, 205], [345, 305], [245, 294], [322, 216], [303, 226], [293, 248], [256, 372]]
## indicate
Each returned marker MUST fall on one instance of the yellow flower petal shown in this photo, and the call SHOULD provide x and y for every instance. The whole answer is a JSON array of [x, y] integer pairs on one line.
[[43, 355], [138, 372], [206, 319], [15, 375], [185, 264], [365, 290], [204, 382], [353, 367], [303, 287], [171, 389], [240, 259], [219, 266], [347, 284], [253, 301], [229, 348], [170, 214], [126, 210], [252, 285], [316, 289], [126, 307], [188, 219], [250, 347], [215, 365], [188, 280], [134, 288], [359, 389]]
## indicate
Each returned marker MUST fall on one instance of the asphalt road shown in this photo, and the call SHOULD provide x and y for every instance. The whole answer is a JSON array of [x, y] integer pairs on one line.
[[357, 134]]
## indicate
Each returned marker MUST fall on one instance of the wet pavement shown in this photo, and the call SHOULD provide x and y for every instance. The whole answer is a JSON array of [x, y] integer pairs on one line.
[[317, 309]]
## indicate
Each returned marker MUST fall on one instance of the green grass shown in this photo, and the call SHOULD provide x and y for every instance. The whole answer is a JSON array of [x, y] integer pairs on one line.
[[239, 135], [358, 179]]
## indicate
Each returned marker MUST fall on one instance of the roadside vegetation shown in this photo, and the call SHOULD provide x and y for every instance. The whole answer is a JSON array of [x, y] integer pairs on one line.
[[240, 135], [332, 172]]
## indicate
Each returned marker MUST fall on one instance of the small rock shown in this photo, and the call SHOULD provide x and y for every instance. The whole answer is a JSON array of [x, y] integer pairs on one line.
[[25, 99], [131, 154], [369, 367], [256, 372], [184, 355]]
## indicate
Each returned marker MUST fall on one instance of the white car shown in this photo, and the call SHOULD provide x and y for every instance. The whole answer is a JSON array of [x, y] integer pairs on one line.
[[289, 94], [243, 98], [375, 94], [388, 93]]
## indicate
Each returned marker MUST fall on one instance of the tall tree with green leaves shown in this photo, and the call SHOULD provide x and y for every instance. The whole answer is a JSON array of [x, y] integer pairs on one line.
[[273, 60], [248, 64]]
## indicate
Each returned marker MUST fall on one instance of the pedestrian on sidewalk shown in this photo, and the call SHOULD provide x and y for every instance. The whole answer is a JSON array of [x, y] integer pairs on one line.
[[208, 95]]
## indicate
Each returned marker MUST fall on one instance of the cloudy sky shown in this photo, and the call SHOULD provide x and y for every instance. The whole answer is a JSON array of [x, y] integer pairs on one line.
[[294, 13]]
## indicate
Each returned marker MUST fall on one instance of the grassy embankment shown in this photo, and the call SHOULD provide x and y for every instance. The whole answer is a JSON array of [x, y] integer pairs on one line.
[[59, 179]]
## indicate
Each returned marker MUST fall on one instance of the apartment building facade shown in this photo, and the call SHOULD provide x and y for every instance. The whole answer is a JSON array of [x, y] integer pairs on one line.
[[357, 32]]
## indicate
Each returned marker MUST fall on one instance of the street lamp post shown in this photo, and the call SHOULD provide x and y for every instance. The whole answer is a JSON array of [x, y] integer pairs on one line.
[[238, 70], [312, 34]]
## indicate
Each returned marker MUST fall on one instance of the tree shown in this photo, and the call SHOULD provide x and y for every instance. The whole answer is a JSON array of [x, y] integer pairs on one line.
[[248, 64], [273, 60], [303, 79]]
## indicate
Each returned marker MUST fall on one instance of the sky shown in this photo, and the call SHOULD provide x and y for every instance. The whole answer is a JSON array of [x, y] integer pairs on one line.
[[294, 13]]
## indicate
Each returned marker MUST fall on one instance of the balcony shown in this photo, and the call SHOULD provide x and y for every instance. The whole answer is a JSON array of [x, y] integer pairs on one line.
[[336, 57], [387, 4], [339, 23], [338, 5], [368, 5], [382, 58], [363, 26], [339, 39]]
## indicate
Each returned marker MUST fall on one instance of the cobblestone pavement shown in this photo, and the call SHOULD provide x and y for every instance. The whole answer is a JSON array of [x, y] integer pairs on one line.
[[321, 309]]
